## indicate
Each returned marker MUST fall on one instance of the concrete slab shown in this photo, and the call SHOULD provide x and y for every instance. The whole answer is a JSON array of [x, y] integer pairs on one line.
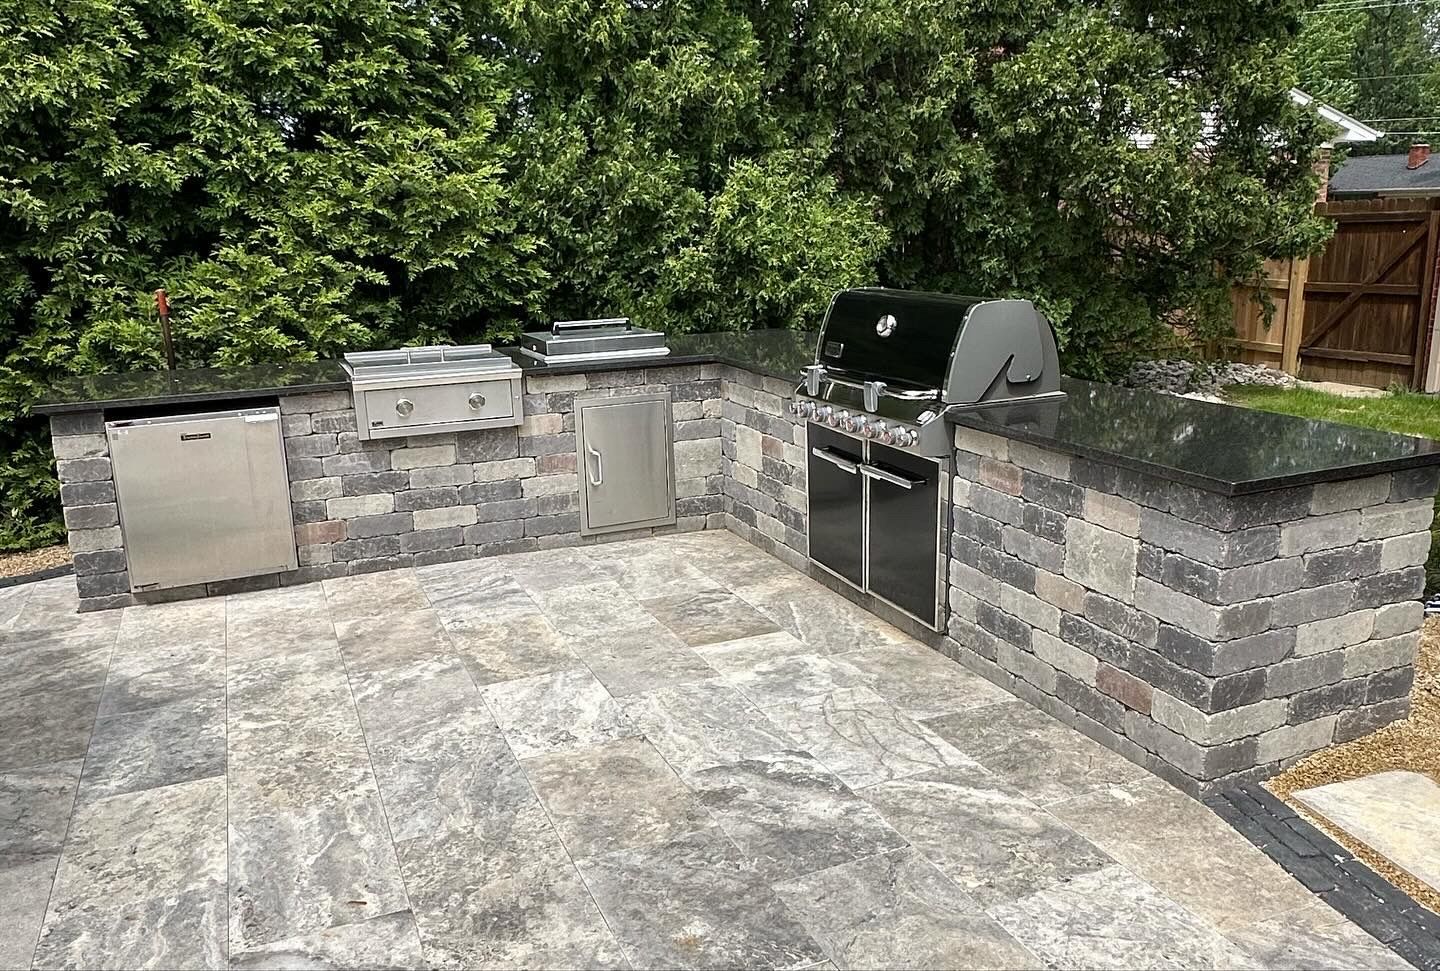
[[1393, 813]]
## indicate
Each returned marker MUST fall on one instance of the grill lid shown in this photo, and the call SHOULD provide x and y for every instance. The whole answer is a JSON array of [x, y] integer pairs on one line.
[[612, 338], [412, 362], [899, 336]]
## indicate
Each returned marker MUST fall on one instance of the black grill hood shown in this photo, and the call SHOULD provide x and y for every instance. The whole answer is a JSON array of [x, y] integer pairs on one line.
[[917, 351]]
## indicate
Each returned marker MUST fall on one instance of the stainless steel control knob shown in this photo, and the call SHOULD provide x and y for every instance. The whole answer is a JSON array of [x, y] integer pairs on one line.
[[904, 437], [883, 433], [476, 401], [852, 423], [404, 407], [823, 414], [838, 420]]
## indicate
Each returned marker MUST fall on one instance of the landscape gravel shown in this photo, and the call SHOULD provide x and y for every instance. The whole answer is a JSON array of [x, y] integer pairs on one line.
[[33, 561], [1205, 378]]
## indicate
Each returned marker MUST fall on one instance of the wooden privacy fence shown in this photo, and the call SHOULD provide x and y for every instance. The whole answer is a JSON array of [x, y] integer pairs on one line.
[[1361, 311]]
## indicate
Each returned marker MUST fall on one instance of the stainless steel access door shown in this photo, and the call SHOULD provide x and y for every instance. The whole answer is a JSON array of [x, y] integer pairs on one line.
[[202, 497], [625, 455]]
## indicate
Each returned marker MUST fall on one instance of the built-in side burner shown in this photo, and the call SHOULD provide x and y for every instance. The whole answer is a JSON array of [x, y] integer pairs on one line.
[[425, 390], [593, 341]]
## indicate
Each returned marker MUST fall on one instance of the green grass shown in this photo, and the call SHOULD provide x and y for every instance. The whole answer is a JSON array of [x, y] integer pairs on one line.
[[1405, 412]]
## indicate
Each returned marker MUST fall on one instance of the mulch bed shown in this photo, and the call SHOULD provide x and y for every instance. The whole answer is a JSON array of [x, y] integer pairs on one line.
[[1413, 744], [32, 562]]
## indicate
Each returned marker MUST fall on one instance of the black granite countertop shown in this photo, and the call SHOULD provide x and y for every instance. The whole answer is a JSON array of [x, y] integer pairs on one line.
[[96, 392], [1217, 447], [1220, 448], [774, 353]]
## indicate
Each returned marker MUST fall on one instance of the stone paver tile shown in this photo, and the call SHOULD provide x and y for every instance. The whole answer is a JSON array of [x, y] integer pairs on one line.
[[243, 610], [268, 625], [155, 747], [535, 914], [779, 669], [47, 726], [703, 724], [309, 841], [483, 585], [864, 739], [597, 608], [897, 910], [995, 844], [790, 815], [642, 659], [619, 795], [25, 880], [388, 941], [695, 902], [407, 700], [381, 643], [283, 691], [374, 594], [1214, 872], [455, 782], [921, 682], [503, 649], [1044, 758], [1393, 813], [555, 712], [141, 882], [651, 570], [1109, 918], [54, 663], [166, 654], [53, 608], [725, 558], [1313, 936], [12, 601], [708, 616], [542, 570], [823, 619], [35, 805]]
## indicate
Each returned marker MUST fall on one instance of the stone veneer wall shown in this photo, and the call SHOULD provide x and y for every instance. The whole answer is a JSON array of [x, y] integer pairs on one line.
[[1211, 639], [763, 464], [361, 506]]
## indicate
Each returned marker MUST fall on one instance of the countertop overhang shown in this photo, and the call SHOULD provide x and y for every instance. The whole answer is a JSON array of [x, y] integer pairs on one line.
[[1224, 449]]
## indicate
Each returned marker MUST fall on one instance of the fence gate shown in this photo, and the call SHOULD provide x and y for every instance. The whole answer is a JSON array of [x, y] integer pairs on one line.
[[1360, 311]]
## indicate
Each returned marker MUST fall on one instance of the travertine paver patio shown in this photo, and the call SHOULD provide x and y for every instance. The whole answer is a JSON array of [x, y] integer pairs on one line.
[[661, 753]]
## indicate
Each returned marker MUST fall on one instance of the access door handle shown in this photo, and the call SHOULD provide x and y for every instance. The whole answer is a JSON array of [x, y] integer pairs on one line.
[[835, 459], [599, 476], [871, 472]]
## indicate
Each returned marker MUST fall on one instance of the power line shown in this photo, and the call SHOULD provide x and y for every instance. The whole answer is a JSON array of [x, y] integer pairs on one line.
[[1356, 6], [1369, 121]]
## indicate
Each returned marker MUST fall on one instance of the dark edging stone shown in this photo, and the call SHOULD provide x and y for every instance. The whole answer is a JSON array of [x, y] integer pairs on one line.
[[1331, 872], [47, 574]]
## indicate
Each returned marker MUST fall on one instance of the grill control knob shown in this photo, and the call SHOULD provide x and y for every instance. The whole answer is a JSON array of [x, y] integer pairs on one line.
[[476, 401], [904, 437], [404, 407], [797, 408], [823, 414], [852, 423], [883, 433], [841, 420]]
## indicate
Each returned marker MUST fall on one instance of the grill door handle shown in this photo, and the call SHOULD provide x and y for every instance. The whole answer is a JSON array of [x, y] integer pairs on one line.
[[871, 472], [599, 476], [834, 458]]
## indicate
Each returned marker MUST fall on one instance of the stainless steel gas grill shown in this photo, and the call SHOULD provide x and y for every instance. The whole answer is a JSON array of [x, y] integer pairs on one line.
[[592, 341], [424, 390], [890, 366]]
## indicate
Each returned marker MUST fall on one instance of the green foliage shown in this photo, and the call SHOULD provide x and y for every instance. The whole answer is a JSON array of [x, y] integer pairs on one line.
[[1378, 62], [308, 177]]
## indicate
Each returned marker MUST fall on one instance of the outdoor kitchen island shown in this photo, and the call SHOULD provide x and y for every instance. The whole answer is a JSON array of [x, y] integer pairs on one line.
[[1209, 591]]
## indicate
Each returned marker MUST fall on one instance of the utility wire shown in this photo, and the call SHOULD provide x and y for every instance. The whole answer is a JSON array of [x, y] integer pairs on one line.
[[1362, 5]]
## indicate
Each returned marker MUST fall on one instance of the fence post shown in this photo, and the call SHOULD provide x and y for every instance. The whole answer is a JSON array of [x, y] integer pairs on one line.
[[1294, 316]]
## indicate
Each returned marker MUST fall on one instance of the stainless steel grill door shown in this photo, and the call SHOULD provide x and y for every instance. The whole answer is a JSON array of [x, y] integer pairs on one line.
[[202, 497]]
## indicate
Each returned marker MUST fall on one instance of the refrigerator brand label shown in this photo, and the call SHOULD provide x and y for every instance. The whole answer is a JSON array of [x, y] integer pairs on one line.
[[194, 436]]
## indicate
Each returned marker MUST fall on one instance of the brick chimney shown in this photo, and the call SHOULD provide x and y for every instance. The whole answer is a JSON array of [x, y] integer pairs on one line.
[[1419, 155]]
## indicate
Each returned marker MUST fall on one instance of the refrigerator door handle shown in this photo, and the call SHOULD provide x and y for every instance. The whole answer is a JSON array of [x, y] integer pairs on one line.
[[599, 476]]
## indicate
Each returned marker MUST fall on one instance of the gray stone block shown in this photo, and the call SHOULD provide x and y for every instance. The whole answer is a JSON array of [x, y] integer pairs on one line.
[[83, 470], [1045, 523], [1103, 644], [1356, 722], [385, 525], [1100, 559], [314, 489], [440, 476], [81, 423], [380, 564], [431, 539], [1334, 633], [1032, 549], [479, 492], [1006, 568], [100, 561], [374, 483], [1396, 518], [1216, 728], [547, 444], [309, 511], [311, 446], [1389, 685], [1215, 658], [551, 525], [320, 401], [426, 499], [995, 505], [1199, 580], [1346, 563], [1329, 497], [1077, 664], [297, 469], [1330, 699], [489, 534], [1066, 498], [1380, 655], [79, 446], [454, 554], [87, 493], [93, 540], [1398, 552], [1414, 484], [1206, 545], [91, 517], [489, 512], [355, 463], [1258, 580], [293, 426], [1388, 588], [1288, 741], [1026, 666], [1206, 620], [1126, 621], [1311, 604], [1304, 673], [102, 584], [1398, 618], [1066, 594], [422, 456], [1030, 609], [368, 548], [350, 507], [998, 622], [325, 422]]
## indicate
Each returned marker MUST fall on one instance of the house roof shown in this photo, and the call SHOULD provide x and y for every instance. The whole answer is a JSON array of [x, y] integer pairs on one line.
[[1386, 175], [1350, 129]]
